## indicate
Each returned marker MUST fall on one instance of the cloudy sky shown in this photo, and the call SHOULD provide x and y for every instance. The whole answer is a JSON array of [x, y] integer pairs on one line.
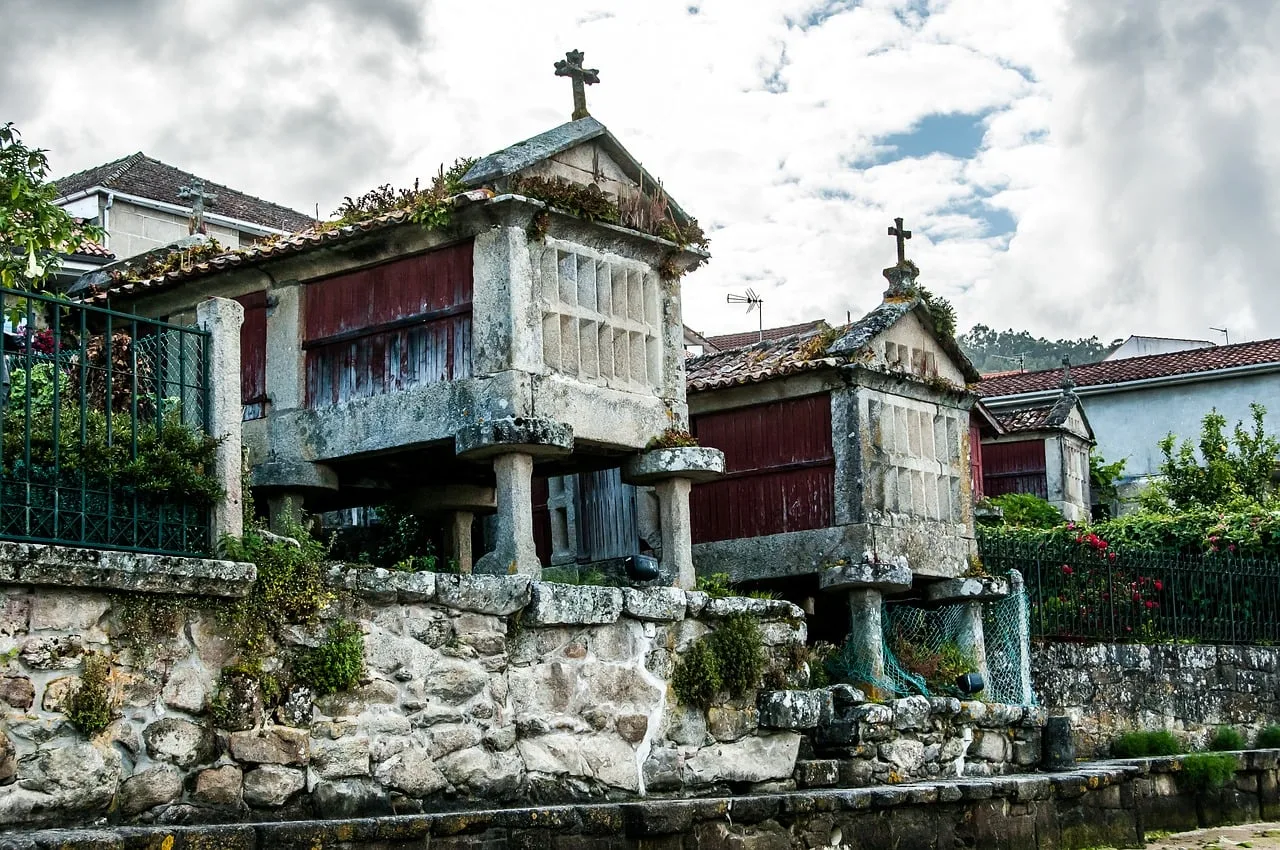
[[1072, 167]]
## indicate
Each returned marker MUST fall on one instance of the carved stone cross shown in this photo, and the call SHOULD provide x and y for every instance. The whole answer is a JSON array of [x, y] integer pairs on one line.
[[902, 235], [571, 66], [199, 195]]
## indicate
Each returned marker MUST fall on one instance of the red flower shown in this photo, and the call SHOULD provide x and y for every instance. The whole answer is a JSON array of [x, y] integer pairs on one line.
[[1066, 570], [1150, 604], [1112, 556], [1137, 597], [1159, 585]]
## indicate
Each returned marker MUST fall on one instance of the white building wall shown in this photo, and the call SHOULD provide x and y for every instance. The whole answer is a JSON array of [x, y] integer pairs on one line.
[[133, 229]]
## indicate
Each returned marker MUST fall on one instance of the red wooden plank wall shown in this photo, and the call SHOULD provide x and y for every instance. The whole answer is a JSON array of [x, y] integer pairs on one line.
[[1017, 467], [389, 327], [253, 355], [780, 470]]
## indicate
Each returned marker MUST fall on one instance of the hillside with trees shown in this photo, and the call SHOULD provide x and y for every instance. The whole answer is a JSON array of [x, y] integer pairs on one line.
[[999, 351]]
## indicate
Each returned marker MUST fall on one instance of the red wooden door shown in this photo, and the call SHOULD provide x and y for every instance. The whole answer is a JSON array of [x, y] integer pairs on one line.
[[253, 355], [1017, 467], [780, 470]]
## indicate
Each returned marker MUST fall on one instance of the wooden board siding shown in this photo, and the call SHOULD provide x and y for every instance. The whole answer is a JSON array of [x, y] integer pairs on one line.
[[975, 460], [780, 470], [1017, 467], [541, 492], [606, 516], [390, 327], [253, 355]]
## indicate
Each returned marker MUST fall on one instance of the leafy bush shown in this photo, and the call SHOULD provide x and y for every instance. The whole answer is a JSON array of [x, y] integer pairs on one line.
[[1228, 467], [1144, 743], [89, 705], [1207, 771], [716, 585], [336, 664], [739, 653], [1268, 738], [1027, 511], [696, 679], [1227, 738]]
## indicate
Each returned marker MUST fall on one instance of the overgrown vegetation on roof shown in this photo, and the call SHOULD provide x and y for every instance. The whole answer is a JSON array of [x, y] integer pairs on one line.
[[158, 264]]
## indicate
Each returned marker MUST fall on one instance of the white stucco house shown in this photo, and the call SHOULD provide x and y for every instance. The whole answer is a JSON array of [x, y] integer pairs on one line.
[[1133, 402]]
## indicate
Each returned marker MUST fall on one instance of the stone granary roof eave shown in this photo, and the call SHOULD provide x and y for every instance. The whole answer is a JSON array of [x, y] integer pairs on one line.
[[310, 239], [1176, 366], [515, 158], [859, 334], [145, 177], [752, 364]]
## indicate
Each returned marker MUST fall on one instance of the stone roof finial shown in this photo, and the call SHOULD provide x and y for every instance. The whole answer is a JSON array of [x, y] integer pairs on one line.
[[571, 66], [901, 277], [1068, 383]]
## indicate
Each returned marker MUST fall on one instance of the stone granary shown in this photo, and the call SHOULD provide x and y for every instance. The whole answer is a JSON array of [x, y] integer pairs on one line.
[[438, 346]]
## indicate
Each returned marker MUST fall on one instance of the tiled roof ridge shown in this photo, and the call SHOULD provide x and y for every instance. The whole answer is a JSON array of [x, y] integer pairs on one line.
[[117, 166]]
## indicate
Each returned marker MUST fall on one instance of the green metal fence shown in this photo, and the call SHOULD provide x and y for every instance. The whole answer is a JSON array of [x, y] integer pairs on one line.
[[104, 430], [1087, 592]]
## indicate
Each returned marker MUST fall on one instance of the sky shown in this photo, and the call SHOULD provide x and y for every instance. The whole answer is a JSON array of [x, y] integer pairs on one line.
[[1069, 167]]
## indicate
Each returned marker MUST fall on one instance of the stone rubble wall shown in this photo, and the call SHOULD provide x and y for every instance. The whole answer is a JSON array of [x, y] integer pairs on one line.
[[489, 688], [1190, 689], [1112, 804]]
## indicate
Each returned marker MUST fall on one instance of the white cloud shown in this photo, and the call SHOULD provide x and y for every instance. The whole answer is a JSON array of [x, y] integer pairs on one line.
[[1128, 141]]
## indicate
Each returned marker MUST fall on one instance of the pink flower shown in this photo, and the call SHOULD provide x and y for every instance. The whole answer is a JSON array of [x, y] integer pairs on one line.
[[1159, 585], [1150, 604], [1066, 570]]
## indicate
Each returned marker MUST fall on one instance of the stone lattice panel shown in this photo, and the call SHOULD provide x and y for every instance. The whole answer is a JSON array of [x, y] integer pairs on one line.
[[917, 450], [601, 319]]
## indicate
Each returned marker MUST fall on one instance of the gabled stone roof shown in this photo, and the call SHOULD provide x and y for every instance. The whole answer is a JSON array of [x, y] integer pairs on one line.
[[1191, 362], [773, 358], [140, 175]]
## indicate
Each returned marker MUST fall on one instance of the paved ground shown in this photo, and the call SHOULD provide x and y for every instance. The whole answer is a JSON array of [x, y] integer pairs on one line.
[[1259, 836]]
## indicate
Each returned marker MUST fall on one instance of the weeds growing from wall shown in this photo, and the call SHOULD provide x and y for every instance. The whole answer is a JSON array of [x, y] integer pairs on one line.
[[1207, 771], [89, 705], [337, 664], [1227, 738], [730, 659], [1142, 744]]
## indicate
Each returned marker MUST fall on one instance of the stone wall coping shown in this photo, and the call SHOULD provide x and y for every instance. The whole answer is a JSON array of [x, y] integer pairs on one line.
[[644, 818], [552, 603], [968, 589], [103, 569], [805, 709], [696, 463]]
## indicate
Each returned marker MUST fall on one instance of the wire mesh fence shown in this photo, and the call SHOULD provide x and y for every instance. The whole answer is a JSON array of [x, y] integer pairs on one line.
[[104, 433], [1088, 592]]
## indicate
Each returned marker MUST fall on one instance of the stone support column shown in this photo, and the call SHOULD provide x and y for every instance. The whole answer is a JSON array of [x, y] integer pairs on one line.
[[284, 512], [971, 593], [285, 373], [1018, 589], [672, 473], [865, 584], [511, 445], [460, 540], [677, 531], [222, 318]]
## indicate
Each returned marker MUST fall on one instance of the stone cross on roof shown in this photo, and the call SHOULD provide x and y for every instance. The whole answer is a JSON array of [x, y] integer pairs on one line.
[[902, 235], [1068, 384], [571, 66], [197, 192]]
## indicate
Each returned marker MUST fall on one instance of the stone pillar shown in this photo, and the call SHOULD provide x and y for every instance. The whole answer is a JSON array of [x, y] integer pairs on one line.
[[285, 374], [1018, 589], [672, 473], [222, 318], [460, 540], [511, 445], [971, 592], [677, 530], [865, 584]]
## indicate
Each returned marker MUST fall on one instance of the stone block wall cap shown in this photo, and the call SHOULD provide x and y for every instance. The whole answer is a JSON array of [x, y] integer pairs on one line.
[[867, 575], [968, 589], [571, 604], [514, 435], [293, 475], [101, 569], [696, 463]]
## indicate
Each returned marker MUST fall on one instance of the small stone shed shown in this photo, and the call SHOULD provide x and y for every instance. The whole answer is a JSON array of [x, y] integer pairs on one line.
[[442, 365]]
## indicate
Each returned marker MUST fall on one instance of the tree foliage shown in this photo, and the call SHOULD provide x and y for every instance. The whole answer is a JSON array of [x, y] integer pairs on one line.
[[1226, 468], [34, 230], [996, 351]]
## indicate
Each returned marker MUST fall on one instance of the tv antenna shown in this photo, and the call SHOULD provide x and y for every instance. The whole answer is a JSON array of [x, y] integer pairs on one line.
[[1225, 335], [1020, 359], [752, 301]]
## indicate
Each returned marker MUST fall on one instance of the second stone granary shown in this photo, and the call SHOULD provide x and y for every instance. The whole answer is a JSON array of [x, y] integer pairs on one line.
[[442, 364]]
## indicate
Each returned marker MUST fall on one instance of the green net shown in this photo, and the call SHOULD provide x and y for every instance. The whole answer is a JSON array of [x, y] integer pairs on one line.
[[925, 649]]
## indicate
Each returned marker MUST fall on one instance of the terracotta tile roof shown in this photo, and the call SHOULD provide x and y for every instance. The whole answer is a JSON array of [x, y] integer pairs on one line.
[[1038, 417], [145, 177], [772, 358], [89, 248], [726, 341], [1189, 362], [101, 285]]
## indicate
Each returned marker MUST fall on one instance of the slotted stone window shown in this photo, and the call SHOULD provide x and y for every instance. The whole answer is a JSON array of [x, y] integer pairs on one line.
[[917, 450], [601, 319]]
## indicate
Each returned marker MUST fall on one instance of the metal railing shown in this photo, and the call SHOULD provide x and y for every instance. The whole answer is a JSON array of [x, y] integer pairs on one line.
[[104, 428], [1081, 592]]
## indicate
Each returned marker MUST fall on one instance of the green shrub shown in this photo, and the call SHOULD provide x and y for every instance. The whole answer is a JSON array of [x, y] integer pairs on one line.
[[336, 664], [1227, 738], [1269, 738], [1140, 744], [1207, 771], [716, 585], [1027, 511], [739, 653], [89, 705], [696, 679]]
